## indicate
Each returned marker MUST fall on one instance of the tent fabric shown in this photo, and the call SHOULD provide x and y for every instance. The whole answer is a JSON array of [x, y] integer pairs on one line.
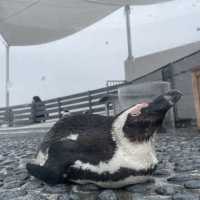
[[31, 22], [127, 2]]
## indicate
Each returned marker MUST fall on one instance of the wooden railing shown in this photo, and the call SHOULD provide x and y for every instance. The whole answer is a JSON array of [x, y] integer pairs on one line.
[[76, 103]]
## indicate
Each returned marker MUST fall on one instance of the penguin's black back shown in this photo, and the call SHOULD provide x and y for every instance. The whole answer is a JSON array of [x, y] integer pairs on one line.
[[94, 137], [78, 124]]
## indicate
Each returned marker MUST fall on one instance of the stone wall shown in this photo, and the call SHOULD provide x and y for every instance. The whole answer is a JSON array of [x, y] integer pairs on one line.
[[183, 82], [136, 93], [181, 79]]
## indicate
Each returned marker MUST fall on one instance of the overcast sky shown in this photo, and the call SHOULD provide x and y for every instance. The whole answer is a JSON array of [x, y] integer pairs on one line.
[[86, 60]]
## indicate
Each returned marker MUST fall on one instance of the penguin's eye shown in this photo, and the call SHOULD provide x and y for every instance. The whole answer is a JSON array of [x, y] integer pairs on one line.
[[133, 114]]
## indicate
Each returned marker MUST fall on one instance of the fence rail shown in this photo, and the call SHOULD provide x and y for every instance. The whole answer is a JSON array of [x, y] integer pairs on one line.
[[77, 103]]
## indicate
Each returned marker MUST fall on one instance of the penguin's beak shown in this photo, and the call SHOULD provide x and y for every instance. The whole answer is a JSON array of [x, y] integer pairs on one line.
[[173, 96], [164, 102]]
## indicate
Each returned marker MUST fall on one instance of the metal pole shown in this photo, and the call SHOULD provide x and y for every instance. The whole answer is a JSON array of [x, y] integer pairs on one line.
[[128, 28], [7, 76], [129, 62]]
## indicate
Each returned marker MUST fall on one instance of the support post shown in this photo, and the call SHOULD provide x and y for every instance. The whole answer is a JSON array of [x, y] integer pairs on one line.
[[90, 102], [129, 62], [107, 106], [7, 76], [128, 30], [8, 111], [9, 117], [59, 108], [168, 75]]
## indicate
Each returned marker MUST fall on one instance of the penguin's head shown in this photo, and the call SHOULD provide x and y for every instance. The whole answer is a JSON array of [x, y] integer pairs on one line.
[[144, 119]]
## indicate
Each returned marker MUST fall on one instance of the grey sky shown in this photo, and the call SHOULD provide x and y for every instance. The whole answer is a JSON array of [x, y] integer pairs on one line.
[[85, 60]]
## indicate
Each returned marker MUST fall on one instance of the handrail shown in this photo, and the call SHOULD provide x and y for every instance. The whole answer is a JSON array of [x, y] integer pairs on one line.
[[76, 103]]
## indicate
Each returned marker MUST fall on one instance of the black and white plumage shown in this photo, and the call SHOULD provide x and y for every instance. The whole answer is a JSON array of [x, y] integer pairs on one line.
[[110, 152]]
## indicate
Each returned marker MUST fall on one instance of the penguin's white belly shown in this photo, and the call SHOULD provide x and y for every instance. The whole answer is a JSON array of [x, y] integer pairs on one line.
[[139, 157], [134, 157]]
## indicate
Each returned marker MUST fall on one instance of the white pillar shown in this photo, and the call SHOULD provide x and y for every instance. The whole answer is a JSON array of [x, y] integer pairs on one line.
[[128, 30], [7, 85], [129, 62]]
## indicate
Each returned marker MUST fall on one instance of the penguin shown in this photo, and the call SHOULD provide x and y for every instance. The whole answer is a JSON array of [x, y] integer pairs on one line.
[[110, 152]]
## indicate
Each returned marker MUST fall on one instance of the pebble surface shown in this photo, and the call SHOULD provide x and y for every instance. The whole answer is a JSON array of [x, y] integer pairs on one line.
[[176, 178]]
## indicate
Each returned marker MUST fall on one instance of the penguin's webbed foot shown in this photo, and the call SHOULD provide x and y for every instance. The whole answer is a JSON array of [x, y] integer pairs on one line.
[[48, 175]]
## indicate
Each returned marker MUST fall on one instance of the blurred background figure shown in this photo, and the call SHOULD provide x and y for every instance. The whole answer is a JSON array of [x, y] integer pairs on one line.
[[38, 110]]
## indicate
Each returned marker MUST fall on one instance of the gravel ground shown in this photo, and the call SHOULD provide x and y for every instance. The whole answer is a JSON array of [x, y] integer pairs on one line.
[[177, 176]]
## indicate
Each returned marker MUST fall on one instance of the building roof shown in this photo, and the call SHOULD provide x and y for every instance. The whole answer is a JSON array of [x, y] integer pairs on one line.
[[30, 22], [152, 62]]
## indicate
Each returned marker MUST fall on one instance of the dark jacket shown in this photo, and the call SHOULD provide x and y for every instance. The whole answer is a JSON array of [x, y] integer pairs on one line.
[[38, 110]]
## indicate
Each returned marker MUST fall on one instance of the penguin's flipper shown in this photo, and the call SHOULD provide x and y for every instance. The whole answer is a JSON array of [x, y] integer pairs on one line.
[[48, 175]]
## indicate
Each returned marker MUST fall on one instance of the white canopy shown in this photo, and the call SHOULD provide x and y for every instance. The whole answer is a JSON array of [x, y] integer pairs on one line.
[[30, 22]]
